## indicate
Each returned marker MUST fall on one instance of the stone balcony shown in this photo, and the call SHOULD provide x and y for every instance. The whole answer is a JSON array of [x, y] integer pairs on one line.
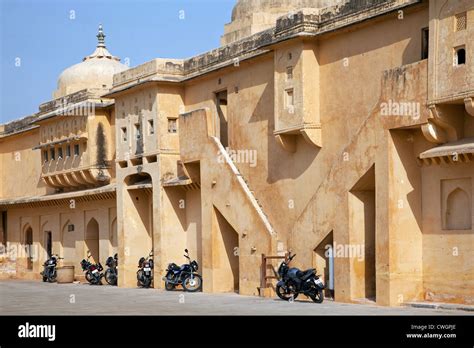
[[67, 173], [75, 171]]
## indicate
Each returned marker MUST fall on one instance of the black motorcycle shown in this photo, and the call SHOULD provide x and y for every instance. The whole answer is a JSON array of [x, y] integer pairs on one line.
[[294, 282], [49, 271], [185, 275], [93, 271], [145, 271], [111, 272]]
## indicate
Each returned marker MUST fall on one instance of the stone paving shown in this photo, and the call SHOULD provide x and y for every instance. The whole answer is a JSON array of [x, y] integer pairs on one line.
[[19, 297]]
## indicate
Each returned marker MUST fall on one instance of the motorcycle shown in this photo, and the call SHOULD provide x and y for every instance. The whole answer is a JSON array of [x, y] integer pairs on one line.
[[145, 273], [111, 272], [185, 275], [49, 271], [294, 282], [93, 271]]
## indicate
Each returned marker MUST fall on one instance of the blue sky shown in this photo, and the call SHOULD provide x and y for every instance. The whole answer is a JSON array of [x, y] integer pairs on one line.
[[44, 37]]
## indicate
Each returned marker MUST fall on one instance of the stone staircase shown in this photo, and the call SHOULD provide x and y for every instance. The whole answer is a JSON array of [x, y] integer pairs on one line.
[[245, 187]]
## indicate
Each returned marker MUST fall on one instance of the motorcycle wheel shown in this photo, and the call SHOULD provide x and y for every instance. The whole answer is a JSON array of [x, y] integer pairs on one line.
[[95, 281], [110, 278], [45, 279], [139, 277], [285, 295], [88, 277], [146, 282], [169, 286], [52, 278], [192, 283], [317, 296]]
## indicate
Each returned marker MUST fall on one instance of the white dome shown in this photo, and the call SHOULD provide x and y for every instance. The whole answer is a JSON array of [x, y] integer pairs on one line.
[[96, 71]]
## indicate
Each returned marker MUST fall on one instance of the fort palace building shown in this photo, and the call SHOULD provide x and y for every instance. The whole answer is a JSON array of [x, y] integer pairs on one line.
[[342, 130]]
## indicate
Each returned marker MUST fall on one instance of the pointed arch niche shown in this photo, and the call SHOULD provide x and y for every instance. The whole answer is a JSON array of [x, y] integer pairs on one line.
[[456, 207]]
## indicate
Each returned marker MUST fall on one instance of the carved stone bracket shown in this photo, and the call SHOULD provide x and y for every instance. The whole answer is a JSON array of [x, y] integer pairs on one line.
[[445, 123], [312, 134], [287, 141], [469, 104], [287, 137]]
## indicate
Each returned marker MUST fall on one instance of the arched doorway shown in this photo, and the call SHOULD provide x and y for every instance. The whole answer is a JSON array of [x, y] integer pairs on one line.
[[48, 242], [92, 239], [29, 248]]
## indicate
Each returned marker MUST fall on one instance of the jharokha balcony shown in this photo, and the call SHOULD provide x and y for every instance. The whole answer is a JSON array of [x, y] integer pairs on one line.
[[60, 174], [73, 163], [76, 141]]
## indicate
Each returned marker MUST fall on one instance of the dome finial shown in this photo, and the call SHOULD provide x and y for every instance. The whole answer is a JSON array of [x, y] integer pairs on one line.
[[101, 51], [101, 37]]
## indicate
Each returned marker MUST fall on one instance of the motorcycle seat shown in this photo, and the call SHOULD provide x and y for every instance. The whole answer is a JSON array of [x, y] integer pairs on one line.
[[307, 273], [173, 267]]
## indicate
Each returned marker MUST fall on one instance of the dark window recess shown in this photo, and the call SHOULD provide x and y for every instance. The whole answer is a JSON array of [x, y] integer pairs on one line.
[[45, 155], [53, 154], [151, 127], [138, 133], [425, 43], [68, 151], [60, 152], [138, 139], [460, 56], [124, 133], [76, 150], [70, 228]]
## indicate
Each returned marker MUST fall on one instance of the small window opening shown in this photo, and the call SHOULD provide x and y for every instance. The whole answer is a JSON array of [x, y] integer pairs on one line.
[[76, 150], [290, 99], [124, 133], [424, 43], [151, 127], [459, 56], [172, 125], [138, 133]]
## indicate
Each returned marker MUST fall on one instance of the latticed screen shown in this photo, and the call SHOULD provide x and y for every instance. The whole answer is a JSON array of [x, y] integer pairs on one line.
[[461, 21]]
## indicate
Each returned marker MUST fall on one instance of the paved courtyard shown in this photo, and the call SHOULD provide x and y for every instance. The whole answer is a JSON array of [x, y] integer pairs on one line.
[[38, 298]]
